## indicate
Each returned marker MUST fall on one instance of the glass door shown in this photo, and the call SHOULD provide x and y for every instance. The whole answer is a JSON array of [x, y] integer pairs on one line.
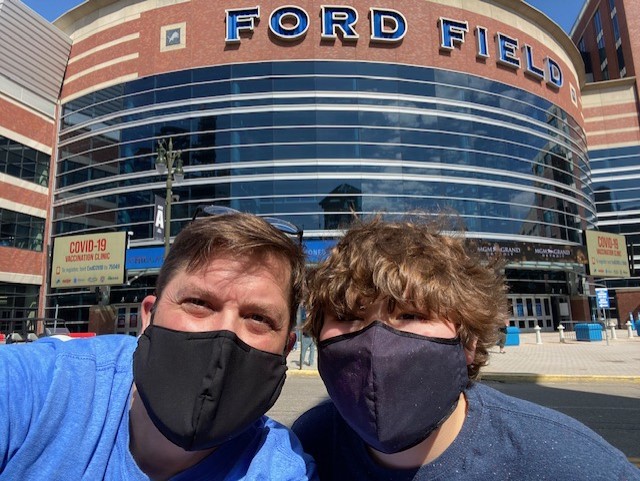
[[128, 319], [527, 311]]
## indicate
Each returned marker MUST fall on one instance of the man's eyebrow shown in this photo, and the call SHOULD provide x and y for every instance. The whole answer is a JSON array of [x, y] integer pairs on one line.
[[269, 309], [189, 289], [266, 307]]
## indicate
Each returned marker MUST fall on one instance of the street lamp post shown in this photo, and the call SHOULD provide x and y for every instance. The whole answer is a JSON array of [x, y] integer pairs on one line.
[[169, 162]]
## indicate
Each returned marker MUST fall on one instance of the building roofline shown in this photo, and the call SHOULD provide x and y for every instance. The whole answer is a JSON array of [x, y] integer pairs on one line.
[[83, 10], [541, 19], [89, 7], [579, 17], [603, 84]]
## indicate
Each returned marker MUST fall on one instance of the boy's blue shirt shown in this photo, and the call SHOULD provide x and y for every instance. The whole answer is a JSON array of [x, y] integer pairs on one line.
[[502, 438], [65, 416]]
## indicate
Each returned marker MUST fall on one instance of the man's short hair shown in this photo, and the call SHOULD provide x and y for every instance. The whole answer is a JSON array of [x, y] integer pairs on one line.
[[411, 264], [239, 236]]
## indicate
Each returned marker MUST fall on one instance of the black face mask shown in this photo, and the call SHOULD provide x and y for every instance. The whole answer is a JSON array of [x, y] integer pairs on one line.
[[393, 388], [201, 389]]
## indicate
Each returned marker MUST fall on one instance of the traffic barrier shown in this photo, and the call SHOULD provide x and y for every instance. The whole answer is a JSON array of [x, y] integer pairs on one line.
[[79, 335], [513, 336], [588, 332]]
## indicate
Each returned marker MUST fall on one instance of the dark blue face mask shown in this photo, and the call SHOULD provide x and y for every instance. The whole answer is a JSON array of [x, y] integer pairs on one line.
[[393, 388]]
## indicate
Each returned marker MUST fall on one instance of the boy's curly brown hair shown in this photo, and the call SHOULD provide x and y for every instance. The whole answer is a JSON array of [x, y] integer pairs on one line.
[[415, 264]]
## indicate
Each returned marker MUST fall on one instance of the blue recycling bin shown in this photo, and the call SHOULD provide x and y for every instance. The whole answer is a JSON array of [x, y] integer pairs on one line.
[[513, 336], [588, 332]]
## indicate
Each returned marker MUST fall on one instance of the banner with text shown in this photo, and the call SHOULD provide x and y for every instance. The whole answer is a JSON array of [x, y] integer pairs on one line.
[[513, 251], [607, 254], [158, 216], [88, 260]]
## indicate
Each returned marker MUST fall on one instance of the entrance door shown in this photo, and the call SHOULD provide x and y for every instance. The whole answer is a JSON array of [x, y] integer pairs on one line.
[[128, 319], [527, 311]]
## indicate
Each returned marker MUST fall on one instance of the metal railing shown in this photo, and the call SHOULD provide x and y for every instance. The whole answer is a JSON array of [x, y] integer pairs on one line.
[[29, 329]]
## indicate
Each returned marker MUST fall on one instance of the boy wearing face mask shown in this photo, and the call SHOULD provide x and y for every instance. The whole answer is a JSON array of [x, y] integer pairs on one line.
[[404, 317], [187, 400]]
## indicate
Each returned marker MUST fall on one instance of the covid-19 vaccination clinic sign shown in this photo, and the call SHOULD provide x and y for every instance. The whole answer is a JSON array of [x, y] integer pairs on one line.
[[88, 260], [607, 254]]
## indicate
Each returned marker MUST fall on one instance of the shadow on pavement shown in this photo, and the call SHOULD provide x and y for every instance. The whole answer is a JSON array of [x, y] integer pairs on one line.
[[610, 409]]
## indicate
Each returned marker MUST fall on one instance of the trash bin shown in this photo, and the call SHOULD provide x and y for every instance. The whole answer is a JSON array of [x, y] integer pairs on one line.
[[588, 332], [513, 336]]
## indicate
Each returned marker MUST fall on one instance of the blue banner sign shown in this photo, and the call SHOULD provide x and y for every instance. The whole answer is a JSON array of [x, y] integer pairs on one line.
[[318, 250], [142, 258]]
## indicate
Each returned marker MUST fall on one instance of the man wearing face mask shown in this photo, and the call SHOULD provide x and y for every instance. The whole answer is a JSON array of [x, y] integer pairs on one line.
[[404, 317], [187, 400]]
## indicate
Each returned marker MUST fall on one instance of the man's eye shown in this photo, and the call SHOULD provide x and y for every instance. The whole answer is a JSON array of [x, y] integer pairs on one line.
[[195, 302], [259, 318]]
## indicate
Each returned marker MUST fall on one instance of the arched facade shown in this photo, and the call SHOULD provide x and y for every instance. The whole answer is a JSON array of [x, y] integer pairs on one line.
[[311, 111]]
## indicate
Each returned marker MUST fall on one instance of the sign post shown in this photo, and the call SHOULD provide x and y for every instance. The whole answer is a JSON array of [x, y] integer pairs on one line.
[[602, 297]]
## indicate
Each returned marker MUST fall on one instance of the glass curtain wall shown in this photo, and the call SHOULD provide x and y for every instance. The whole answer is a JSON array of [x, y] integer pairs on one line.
[[313, 141]]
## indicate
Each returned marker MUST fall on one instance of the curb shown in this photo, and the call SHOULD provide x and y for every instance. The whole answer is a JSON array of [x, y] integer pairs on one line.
[[303, 372], [531, 377], [516, 377]]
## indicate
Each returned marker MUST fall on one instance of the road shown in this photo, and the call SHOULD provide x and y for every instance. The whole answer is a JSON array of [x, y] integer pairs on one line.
[[610, 409]]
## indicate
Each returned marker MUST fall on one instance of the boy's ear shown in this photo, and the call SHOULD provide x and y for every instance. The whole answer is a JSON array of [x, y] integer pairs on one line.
[[470, 352]]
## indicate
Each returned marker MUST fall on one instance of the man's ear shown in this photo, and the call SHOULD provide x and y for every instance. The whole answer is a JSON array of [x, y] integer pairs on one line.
[[147, 311], [290, 343]]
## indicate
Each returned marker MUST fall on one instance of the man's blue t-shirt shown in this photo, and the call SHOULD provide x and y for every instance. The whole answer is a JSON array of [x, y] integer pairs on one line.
[[64, 415]]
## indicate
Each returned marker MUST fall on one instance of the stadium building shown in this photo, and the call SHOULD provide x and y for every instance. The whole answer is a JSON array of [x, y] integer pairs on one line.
[[607, 35], [310, 112]]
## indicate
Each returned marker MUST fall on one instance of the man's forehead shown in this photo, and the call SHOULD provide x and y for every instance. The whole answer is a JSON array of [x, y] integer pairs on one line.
[[224, 268], [249, 261]]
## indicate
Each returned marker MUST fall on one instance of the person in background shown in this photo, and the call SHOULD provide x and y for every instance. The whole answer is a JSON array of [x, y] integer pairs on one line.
[[404, 316], [502, 337], [185, 401], [308, 345]]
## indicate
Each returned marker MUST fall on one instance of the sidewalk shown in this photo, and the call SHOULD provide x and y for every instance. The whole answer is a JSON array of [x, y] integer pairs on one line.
[[550, 361]]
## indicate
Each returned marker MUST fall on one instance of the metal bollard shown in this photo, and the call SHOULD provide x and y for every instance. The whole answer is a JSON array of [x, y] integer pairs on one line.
[[629, 329], [561, 331], [538, 336], [612, 324]]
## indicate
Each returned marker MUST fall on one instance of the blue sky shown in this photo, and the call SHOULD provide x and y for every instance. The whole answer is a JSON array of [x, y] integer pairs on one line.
[[563, 12]]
